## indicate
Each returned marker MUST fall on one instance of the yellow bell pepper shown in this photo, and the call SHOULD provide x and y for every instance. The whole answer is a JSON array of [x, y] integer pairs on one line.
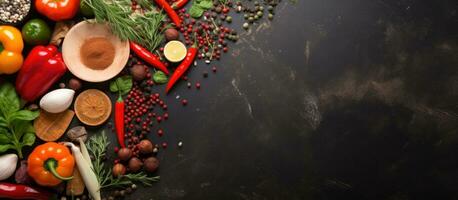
[[11, 46]]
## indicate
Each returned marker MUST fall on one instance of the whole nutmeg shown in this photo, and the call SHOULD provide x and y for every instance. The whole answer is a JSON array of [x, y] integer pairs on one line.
[[151, 164], [138, 72], [171, 34], [135, 164], [145, 146], [119, 170], [74, 84], [124, 154]]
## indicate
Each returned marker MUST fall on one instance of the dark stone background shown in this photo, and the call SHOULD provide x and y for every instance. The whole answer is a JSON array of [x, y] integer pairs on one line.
[[333, 99]]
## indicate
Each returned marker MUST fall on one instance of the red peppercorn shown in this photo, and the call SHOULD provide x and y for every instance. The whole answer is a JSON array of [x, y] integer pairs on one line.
[[166, 115], [160, 132], [164, 145], [159, 119], [198, 85], [184, 102]]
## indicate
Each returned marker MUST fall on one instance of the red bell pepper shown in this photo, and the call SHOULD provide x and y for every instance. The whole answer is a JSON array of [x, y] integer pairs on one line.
[[57, 10], [42, 68]]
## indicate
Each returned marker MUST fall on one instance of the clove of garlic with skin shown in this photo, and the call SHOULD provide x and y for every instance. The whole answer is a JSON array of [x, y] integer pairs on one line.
[[8, 165], [57, 101]]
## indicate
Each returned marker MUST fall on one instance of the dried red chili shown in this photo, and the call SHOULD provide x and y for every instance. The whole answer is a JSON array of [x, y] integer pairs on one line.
[[170, 11], [179, 4], [119, 121], [183, 67], [148, 57]]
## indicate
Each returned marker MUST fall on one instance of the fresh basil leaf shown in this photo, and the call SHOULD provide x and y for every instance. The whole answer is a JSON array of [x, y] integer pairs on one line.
[[25, 115], [8, 93], [122, 85], [28, 139], [21, 127], [159, 77], [196, 11], [5, 147], [205, 4]]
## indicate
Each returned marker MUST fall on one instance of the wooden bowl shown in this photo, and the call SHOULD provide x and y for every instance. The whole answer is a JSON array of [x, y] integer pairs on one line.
[[71, 51]]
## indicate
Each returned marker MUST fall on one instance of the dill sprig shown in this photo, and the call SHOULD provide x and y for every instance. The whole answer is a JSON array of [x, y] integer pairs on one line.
[[97, 146], [143, 27]]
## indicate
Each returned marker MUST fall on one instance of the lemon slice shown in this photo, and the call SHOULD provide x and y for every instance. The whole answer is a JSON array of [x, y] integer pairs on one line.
[[175, 51]]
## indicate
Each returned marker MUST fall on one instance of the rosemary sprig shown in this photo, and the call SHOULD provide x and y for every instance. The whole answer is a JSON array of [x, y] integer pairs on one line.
[[97, 146], [141, 27]]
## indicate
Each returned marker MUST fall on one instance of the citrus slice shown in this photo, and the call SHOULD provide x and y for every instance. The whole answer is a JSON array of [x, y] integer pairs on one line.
[[92, 107], [175, 51]]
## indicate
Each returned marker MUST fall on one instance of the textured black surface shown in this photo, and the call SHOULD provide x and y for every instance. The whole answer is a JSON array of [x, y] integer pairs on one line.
[[333, 99]]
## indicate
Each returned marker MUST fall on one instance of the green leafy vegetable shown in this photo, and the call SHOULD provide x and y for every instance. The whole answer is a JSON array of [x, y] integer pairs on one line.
[[199, 7], [122, 85], [16, 129], [97, 147], [159, 77]]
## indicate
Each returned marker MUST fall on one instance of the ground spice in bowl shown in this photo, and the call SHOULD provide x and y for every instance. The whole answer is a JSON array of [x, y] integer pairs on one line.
[[97, 53]]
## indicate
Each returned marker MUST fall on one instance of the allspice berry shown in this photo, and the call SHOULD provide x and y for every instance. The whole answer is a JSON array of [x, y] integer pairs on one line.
[[151, 164], [124, 154], [138, 72], [119, 170]]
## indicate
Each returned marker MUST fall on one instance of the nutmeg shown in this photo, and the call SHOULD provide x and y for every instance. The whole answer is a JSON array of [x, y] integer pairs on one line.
[[151, 164], [138, 72], [135, 164], [124, 154], [119, 170], [171, 34], [145, 146]]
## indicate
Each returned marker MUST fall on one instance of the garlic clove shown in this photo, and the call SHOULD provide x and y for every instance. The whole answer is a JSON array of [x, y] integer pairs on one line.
[[57, 101], [8, 165]]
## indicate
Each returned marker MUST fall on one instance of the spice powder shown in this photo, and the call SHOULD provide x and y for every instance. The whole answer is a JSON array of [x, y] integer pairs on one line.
[[97, 53]]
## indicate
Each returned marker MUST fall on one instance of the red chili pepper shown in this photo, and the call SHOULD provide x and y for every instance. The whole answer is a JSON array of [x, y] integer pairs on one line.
[[41, 69], [16, 191], [119, 121], [183, 67], [179, 4], [169, 10], [148, 57]]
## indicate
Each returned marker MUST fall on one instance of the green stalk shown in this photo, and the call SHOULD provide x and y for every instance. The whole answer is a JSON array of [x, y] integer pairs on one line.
[[51, 165]]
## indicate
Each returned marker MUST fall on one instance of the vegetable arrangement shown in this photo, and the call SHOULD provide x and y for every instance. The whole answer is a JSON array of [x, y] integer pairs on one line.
[[159, 33]]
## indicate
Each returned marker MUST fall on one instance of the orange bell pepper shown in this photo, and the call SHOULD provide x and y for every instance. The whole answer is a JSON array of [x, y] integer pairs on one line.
[[50, 163], [11, 46]]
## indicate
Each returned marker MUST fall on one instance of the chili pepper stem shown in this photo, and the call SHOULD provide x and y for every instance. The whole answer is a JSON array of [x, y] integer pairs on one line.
[[51, 165], [1, 47]]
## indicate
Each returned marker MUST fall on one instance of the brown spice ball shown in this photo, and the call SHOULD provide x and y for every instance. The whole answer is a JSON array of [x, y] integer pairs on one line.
[[124, 154], [138, 72], [171, 34], [119, 170], [151, 164], [74, 84], [135, 164], [145, 146]]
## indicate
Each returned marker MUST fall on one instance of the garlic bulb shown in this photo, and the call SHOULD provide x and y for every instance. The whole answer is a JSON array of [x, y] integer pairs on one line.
[[7, 166], [57, 101]]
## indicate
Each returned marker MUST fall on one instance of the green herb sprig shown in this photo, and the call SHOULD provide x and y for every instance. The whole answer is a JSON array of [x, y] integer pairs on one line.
[[16, 129], [143, 28], [97, 146]]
